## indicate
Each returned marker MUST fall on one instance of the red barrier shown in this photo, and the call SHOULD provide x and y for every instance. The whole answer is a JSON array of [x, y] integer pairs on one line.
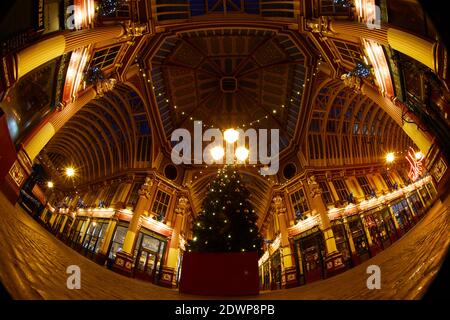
[[220, 274]]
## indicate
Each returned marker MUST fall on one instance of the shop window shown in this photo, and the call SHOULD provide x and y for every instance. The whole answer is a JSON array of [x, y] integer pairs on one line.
[[117, 241], [359, 237], [105, 58], [77, 234], [341, 189], [425, 195], [402, 214], [365, 186], [431, 189], [326, 194], [94, 235], [300, 204], [416, 204], [379, 230], [160, 205], [340, 237]]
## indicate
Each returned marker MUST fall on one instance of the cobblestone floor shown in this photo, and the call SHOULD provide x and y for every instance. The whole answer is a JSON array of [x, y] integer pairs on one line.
[[33, 266]]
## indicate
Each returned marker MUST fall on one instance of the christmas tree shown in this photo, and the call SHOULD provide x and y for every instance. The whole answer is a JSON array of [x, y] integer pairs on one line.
[[227, 222]]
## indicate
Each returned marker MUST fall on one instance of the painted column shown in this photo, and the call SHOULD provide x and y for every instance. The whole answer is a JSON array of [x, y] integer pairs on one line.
[[333, 260], [408, 122], [37, 140], [169, 273], [418, 48], [288, 271], [46, 50], [124, 259]]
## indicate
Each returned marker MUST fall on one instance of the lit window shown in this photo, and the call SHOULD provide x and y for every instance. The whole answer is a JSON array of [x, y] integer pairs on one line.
[[341, 189], [300, 204], [105, 58], [365, 186], [160, 205]]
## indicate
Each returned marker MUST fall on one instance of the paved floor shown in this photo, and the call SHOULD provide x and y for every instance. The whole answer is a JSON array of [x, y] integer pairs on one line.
[[33, 266]]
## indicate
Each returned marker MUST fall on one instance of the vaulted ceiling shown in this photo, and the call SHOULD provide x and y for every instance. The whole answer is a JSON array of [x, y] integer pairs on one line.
[[254, 74], [229, 77]]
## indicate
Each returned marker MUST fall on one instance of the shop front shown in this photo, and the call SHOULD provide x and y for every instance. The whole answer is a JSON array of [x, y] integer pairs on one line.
[[425, 195], [403, 215], [116, 243], [265, 276], [309, 253], [94, 237], [342, 243], [76, 233], [416, 204], [362, 250], [148, 255], [275, 262], [381, 229]]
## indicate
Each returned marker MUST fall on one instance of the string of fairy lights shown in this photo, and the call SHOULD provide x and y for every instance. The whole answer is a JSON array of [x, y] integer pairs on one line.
[[247, 124], [243, 125]]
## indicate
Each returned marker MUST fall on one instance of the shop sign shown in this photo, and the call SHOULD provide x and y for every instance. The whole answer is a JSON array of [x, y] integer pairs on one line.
[[40, 20]]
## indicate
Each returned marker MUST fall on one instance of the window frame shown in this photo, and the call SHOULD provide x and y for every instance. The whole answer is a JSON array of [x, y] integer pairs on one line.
[[299, 200]]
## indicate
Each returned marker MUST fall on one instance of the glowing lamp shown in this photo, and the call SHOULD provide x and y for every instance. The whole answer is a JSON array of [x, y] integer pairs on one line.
[[242, 153], [231, 135], [217, 153], [390, 157], [70, 172]]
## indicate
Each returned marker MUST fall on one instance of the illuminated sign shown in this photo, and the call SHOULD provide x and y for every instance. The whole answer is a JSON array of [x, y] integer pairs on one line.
[[415, 160]]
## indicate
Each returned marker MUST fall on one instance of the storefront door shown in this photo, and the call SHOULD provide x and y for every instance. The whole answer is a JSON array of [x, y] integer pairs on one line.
[[276, 271], [146, 265], [311, 249]]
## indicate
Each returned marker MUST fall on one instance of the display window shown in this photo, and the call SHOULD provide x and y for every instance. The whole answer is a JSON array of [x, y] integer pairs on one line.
[[117, 241], [425, 195], [378, 230], [342, 243], [416, 204], [403, 215], [359, 238], [94, 236]]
